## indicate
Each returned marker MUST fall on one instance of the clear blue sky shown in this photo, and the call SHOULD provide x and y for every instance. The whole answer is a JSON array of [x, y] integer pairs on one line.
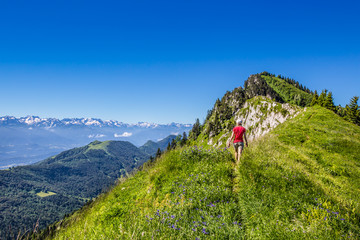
[[167, 61]]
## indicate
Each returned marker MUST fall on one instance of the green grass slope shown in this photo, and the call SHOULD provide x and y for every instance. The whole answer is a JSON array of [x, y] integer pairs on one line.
[[301, 181], [288, 92], [185, 194]]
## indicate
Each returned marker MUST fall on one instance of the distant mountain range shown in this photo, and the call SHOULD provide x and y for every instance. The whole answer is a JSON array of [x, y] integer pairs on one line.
[[35, 121], [151, 147], [26, 140]]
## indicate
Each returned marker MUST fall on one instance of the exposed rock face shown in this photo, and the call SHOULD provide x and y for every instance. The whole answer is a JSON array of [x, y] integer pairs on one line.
[[260, 115], [254, 86]]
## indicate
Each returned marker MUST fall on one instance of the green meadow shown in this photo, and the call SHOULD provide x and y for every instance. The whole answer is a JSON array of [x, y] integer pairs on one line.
[[300, 181], [45, 194]]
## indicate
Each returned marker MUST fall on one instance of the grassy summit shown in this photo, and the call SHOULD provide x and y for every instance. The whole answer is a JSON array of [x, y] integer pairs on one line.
[[288, 93], [301, 181]]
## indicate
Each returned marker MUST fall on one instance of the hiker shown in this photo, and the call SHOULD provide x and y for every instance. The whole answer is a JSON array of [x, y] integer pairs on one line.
[[238, 135]]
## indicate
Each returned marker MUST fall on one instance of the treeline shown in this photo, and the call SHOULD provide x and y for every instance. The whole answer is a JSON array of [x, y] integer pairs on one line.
[[290, 81], [351, 112], [222, 111]]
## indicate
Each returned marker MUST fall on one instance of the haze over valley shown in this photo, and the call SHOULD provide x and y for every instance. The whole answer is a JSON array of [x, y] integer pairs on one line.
[[30, 139]]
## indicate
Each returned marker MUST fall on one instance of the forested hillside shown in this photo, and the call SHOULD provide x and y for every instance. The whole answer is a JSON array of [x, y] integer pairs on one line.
[[48, 190]]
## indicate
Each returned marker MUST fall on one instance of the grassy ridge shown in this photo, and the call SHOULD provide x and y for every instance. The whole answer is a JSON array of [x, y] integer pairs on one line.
[[302, 181], [299, 182], [185, 194]]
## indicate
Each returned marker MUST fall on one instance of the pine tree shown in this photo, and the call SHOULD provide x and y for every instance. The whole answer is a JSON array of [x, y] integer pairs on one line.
[[158, 153], [340, 111], [168, 147], [227, 112], [217, 104], [195, 131], [299, 100], [178, 139], [210, 128], [217, 125], [208, 115], [322, 97], [184, 139], [173, 144], [315, 99], [352, 111], [329, 102]]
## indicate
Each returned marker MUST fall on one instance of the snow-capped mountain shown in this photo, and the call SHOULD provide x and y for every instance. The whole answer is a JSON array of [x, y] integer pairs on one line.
[[95, 122], [29, 139]]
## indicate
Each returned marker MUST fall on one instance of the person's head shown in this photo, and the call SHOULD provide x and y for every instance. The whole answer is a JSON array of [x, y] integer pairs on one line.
[[239, 122]]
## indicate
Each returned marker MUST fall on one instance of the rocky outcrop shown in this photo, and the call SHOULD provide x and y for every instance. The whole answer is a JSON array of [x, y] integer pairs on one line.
[[253, 86], [262, 103], [260, 115]]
